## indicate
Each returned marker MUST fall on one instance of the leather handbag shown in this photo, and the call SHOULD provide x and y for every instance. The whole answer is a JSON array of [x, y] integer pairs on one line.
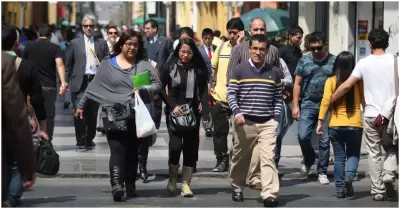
[[186, 121], [117, 116]]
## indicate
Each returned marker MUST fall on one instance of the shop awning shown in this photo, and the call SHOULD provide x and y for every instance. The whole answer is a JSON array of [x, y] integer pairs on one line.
[[140, 20]]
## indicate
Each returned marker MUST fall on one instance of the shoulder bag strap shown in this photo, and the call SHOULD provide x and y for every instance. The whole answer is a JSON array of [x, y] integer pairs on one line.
[[17, 63], [396, 76]]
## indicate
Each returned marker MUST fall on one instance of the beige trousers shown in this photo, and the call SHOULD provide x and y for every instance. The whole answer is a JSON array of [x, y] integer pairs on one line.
[[246, 138], [382, 166]]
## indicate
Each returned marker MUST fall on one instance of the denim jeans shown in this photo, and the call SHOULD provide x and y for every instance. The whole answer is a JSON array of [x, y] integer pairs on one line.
[[346, 142], [307, 124], [285, 122], [15, 189]]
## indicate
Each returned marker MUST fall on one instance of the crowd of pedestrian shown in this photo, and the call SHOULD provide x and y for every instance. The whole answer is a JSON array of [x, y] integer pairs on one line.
[[253, 85]]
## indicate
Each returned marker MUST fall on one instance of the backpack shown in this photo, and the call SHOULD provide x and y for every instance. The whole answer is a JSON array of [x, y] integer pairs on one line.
[[48, 161]]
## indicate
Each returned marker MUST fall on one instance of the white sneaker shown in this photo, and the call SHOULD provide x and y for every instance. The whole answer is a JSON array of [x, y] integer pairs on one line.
[[378, 197], [323, 179], [305, 170]]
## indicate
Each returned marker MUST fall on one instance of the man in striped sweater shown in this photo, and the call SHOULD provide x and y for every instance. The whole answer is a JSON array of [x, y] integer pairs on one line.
[[255, 98], [240, 54]]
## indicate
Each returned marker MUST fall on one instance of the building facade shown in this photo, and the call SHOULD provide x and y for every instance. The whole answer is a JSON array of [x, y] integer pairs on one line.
[[347, 24]]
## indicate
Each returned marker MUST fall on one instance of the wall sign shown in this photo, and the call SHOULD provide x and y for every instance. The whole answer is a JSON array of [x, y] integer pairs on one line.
[[363, 30]]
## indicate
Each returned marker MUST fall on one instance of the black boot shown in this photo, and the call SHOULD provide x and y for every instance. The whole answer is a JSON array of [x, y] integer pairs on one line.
[[116, 183], [130, 190], [143, 172]]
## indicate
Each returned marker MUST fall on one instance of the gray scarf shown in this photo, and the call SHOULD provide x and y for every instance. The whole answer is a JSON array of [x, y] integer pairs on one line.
[[191, 78]]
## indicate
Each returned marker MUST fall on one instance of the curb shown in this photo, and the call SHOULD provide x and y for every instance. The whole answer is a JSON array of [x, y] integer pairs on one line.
[[222, 175]]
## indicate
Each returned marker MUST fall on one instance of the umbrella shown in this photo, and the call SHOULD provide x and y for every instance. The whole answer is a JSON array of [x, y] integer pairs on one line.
[[275, 19]]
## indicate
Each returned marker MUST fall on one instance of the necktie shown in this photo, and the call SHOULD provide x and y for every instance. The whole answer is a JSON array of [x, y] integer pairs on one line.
[[209, 53], [89, 53]]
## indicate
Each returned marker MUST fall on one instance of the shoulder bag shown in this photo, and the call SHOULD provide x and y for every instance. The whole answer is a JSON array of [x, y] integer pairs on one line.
[[186, 121]]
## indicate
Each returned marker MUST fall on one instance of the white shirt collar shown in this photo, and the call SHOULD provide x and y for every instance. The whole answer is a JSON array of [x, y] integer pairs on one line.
[[252, 64], [86, 38], [154, 39]]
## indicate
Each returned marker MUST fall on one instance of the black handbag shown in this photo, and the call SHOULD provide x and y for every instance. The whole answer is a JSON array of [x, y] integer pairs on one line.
[[117, 116], [186, 121], [48, 161]]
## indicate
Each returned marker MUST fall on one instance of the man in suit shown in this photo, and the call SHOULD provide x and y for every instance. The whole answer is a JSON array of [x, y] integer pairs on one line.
[[208, 47], [16, 134], [158, 49], [83, 58]]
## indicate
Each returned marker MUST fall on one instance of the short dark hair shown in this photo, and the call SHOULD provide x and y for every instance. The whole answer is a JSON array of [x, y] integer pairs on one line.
[[152, 22], [294, 30], [217, 33], [126, 36], [259, 38], [235, 23], [207, 31], [112, 27], [186, 30], [317, 36], [379, 39], [8, 37], [45, 30]]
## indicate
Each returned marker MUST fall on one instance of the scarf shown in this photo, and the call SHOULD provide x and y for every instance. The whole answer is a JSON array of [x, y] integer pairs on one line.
[[176, 78]]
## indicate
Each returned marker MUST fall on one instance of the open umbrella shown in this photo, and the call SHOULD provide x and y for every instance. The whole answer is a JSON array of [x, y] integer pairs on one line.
[[275, 19]]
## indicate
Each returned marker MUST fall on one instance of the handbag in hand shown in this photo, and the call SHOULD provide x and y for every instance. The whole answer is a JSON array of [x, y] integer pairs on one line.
[[117, 116], [186, 121]]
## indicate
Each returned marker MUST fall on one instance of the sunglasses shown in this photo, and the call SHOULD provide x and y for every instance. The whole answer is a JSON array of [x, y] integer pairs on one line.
[[316, 48], [112, 33], [88, 26]]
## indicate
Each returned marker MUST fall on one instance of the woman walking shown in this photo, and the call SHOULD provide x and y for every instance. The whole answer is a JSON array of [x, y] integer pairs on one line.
[[345, 124], [185, 75], [113, 89]]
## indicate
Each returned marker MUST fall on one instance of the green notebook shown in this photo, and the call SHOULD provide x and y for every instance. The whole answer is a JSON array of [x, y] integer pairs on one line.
[[141, 79]]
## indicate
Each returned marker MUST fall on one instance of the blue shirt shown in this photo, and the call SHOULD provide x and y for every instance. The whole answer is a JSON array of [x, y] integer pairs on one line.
[[314, 76]]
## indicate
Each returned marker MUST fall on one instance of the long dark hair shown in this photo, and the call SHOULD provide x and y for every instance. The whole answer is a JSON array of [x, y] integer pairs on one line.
[[197, 60], [126, 36], [342, 69]]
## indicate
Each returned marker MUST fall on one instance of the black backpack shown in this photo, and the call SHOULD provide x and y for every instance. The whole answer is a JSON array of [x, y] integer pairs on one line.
[[48, 161]]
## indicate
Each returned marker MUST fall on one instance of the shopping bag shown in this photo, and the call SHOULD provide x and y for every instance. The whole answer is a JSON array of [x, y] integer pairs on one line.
[[144, 122]]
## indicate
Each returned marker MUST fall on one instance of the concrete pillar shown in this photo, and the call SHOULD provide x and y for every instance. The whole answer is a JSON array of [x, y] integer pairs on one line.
[[52, 12], [339, 27], [73, 14], [307, 17], [391, 25]]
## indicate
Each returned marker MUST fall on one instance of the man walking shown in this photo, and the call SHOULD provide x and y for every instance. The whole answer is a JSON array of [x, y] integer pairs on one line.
[[221, 111], [83, 59], [378, 73], [47, 58], [255, 98], [240, 54], [311, 74]]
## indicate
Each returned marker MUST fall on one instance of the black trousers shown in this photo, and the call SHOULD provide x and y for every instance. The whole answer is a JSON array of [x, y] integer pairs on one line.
[[221, 115], [124, 152], [85, 129], [144, 144], [50, 98], [186, 143]]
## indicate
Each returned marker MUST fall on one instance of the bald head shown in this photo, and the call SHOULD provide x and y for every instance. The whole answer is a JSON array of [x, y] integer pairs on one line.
[[257, 26]]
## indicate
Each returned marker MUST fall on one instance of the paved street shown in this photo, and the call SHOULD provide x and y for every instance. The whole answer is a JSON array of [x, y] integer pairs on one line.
[[83, 163], [208, 193]]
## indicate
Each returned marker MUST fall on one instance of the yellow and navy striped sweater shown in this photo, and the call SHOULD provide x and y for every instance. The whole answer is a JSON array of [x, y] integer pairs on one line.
[[255, 93]]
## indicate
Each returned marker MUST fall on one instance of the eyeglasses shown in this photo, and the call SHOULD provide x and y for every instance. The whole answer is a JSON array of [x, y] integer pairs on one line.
[[130, 44], [316, 48], [88, 26], [188, 53], [112, 33], [257, 49]]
